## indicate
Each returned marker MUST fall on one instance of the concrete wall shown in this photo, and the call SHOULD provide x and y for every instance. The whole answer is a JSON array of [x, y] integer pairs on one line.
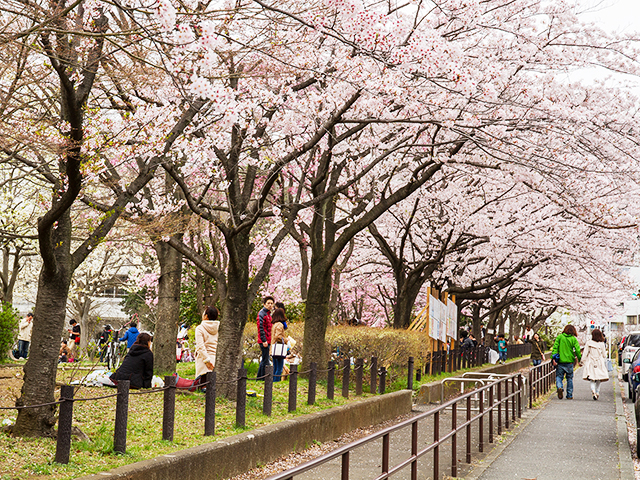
[[240, 453], [432, 392]]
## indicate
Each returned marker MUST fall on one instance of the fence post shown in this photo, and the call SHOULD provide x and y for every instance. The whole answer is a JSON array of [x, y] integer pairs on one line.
[[531, 379], [65, 420], [373, 367], [410, 374], [267, 401], [241, 398], [210, 404], [359, 366], [293, 387], [419, 374], [383, 378], [313, 377], [346, 369], [519, 395], [122, 412], [331, 380], [169, 409]]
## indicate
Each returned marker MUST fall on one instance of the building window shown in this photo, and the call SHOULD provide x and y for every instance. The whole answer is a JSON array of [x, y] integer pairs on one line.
[[632, 319]]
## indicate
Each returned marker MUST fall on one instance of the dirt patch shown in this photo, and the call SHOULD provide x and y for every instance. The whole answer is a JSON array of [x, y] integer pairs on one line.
[[10, 385]]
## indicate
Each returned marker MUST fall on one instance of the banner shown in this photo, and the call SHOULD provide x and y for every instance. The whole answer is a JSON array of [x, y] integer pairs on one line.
[[452, 320]]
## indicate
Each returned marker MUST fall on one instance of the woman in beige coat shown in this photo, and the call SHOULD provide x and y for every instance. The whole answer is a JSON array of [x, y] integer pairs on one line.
[[207, 341], [594, 361]]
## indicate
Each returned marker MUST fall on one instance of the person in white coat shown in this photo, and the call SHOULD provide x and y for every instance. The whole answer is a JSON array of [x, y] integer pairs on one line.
[[207, 341], [594, 358]]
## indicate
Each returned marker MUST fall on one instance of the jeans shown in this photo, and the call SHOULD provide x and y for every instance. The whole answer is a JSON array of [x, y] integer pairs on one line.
[[503, 356], [595, 386], [565, 369], [23, 348], [537, 362], [278, 366], [264, 361]]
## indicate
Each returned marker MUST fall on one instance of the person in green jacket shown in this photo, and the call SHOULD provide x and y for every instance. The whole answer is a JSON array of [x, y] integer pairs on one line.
[[566, 350]]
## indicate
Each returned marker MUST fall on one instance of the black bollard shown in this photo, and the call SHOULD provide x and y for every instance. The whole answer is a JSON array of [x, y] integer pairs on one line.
[[241, 398], [210, 404], [169, 408], [293, 387], [313, 378], [410, 374], [122, 412], [65, 420], [373, 367], [359, 366], [346, 370], [268, 390], [331, 378], [383, 379]]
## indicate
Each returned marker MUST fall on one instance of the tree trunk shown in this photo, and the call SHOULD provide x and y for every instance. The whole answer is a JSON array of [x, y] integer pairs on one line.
[[48, 321], [316, 316], [234, 316], [408, 291], [87, 328], [168, 310]]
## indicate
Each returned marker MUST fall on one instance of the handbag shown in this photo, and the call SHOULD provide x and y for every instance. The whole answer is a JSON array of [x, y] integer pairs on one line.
[[279, 349], [609, 365]]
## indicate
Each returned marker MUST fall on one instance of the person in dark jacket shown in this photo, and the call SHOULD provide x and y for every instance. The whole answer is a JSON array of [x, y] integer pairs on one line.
[[538, 347], [137, 366], [264, 334]]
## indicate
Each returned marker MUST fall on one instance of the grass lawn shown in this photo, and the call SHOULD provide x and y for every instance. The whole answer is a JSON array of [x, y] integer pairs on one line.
[[32, 458]]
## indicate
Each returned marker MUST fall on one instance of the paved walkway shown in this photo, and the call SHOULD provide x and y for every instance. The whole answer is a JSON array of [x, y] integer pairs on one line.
[[579, 438]]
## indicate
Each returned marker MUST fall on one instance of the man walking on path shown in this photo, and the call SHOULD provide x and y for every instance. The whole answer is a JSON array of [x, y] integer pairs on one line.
[[566, 350]]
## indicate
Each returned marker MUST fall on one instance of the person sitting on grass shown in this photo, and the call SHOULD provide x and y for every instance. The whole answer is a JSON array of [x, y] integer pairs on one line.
[[137, 366], [65, 352]]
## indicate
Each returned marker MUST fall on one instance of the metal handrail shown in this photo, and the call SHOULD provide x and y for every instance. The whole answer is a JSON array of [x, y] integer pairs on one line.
[[413, 422]]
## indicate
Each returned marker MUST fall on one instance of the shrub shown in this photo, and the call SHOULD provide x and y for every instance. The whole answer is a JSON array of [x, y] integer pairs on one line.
[[9, 321]]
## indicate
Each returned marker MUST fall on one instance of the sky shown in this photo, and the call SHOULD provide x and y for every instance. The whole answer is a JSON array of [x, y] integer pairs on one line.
[[619, 15]]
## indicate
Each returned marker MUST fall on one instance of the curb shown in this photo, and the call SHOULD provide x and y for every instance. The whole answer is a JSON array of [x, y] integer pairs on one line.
[[624, 448]]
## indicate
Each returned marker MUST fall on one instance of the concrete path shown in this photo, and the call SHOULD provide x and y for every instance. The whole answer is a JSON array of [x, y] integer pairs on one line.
[[579, 438]]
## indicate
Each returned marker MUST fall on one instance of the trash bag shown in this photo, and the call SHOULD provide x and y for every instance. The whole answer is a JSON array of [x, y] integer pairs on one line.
[[493, 356]]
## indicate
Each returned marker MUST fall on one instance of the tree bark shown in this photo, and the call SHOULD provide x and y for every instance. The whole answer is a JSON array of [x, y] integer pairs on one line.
[[168, 309], [234, 315], [48, 321], [316, 316]]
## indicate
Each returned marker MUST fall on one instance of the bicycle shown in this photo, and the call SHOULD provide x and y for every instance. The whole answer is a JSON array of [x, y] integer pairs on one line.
[[116, 351]]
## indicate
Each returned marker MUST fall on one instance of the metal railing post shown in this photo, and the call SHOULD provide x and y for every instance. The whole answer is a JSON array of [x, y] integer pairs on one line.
[[436, 449], [491, 409], [481, 420], [454, 440]]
